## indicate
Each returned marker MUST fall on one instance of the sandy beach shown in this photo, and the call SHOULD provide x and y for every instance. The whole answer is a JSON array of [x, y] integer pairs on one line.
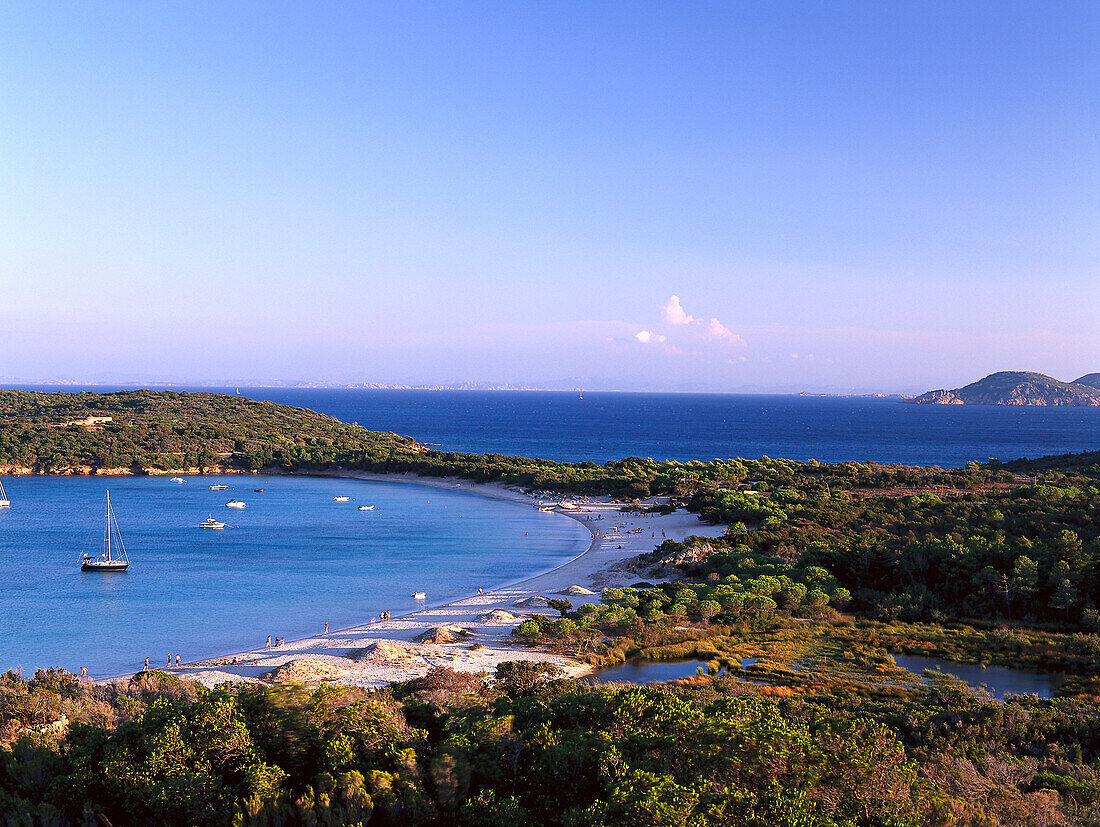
[[375, 654]]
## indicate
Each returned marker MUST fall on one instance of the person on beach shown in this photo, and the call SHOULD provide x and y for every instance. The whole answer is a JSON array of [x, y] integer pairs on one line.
[[146, 669], [177, 658], [268, 644], [169, 660], [326, 627], [479, 591]]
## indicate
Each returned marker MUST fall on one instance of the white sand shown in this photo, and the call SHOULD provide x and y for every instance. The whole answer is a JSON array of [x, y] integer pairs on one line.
[[627, 536]]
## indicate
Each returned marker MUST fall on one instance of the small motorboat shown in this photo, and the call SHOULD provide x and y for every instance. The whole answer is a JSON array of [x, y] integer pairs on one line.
[[340, 499], [177, 479], [258, 490], [219, 487], [236, 504], [419, 595], [366, 508], [210, 522]]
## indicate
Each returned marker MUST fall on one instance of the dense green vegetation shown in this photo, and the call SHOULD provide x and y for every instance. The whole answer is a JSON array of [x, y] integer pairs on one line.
[[525, 748], [1001, 547], [166, 430]]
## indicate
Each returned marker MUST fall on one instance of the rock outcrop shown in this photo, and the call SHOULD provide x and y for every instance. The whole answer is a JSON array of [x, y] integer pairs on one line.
[[442, 634], [534, 602], [303, 670], [498, 616], [382, 652], [575, 589]]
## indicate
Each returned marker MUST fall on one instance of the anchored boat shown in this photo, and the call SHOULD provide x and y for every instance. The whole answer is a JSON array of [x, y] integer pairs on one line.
[[114, 557], [4, 501], [235, 504], [210, 522]]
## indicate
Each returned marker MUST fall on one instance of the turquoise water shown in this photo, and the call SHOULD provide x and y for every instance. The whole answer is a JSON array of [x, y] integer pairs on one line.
[[292, 560]]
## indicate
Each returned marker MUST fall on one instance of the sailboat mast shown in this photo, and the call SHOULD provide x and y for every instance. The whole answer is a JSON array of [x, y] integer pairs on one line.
[[108, 526]]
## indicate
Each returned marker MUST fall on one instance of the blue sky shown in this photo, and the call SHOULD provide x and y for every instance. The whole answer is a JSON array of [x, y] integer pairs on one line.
[[875, 196]]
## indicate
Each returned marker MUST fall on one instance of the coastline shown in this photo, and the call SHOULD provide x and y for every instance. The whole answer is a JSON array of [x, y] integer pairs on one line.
[[375, 654]]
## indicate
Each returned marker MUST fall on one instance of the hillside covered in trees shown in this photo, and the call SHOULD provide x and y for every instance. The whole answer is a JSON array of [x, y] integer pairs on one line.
[[155, 431]]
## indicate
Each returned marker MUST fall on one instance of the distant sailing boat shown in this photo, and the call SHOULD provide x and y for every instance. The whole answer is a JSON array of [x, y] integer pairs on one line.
[[4, 501], [109, 560]]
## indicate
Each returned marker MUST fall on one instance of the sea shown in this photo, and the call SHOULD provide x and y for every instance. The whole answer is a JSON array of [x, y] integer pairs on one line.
[[290, 561], [596, 427], [294, 559]]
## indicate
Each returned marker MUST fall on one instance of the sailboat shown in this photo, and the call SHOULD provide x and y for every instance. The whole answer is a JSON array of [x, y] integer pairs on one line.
[[4, 501], [109, 560]]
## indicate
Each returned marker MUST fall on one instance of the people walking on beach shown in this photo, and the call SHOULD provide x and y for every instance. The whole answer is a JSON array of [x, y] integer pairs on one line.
[[146, 669], [169, 660], [268, 644], [479, 591], [326, 627], [177, 658]]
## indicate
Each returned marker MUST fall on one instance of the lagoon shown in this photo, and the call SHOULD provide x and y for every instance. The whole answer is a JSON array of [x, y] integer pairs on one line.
[[999, 680], [289, 562]]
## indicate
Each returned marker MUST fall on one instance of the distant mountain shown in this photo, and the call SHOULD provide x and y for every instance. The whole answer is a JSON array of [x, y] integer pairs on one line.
[[1090, 379], [1019, 388]]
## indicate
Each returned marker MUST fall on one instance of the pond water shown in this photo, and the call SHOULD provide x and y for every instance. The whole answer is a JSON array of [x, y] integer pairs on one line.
[[999, 680], [656, 671]]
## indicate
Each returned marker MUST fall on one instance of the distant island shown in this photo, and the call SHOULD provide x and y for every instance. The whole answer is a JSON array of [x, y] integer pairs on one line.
[[1019, 388]]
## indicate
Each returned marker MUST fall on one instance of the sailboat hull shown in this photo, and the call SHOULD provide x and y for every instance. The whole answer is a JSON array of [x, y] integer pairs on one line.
[[104, 565]]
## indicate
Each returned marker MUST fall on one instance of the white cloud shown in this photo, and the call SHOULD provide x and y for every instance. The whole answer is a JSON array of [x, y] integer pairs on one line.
[[674, 313], [717, 330], [646, 337]]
